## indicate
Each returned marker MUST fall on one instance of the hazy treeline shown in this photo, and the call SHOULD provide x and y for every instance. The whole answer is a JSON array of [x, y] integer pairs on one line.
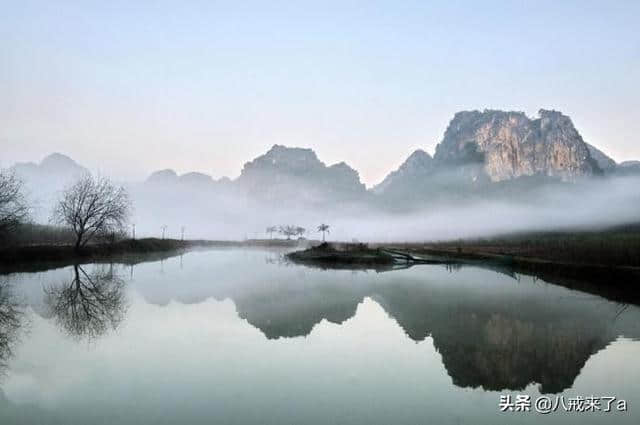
[[34, 234]]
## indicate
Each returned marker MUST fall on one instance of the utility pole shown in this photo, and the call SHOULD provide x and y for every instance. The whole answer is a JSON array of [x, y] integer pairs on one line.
[[133, 231], [182, 233], [164, 227]]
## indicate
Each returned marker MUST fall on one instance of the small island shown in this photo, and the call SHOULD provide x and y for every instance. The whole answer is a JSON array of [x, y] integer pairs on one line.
[[359, 255], [347, 254]]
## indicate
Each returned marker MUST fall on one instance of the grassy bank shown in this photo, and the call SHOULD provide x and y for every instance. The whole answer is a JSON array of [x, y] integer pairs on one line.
[[616, 283], [603, 262], [18, 258], [615, 247]]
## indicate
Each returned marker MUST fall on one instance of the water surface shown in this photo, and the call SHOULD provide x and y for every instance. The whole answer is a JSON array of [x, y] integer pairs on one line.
[[239, 337]]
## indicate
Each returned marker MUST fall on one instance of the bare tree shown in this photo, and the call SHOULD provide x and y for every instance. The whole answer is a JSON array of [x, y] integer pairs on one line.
[[13, 207], [91, 207], [324, 228], [271, 230]]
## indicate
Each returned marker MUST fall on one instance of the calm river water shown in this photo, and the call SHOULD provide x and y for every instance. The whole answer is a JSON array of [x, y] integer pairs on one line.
[[238, 336]]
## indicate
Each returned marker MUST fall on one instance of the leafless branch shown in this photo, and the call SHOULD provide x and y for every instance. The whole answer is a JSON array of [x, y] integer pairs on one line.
[[13, 207], [91, 207]]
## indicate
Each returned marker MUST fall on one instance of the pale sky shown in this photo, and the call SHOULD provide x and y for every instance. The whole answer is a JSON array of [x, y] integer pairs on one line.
[[127, 88]]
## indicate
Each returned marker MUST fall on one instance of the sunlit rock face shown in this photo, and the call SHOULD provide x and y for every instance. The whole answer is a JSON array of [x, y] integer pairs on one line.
[[285, 173], [417, 167], [511, 145]]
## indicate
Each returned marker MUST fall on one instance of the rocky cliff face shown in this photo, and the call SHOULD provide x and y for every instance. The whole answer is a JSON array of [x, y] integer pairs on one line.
[[416, 168], [510, 145], [284, 172], [282, 160]]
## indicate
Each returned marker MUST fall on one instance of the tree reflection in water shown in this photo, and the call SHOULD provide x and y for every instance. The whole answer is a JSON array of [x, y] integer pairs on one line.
[[90, 304], [11, 320]]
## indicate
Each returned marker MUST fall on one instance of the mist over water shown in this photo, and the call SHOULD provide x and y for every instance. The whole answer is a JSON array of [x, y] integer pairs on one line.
[[589, 204], [291, 186], [226, 212]]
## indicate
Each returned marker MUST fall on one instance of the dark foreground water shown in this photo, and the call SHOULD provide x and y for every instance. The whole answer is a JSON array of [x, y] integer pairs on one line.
[[238, 337]]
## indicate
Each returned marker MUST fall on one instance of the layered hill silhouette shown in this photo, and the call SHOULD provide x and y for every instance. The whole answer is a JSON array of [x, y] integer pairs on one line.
[[490, 146], [484, 155]]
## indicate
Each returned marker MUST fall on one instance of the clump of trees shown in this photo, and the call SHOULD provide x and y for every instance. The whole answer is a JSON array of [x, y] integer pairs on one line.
[[289, 231], [292, 230], [13, 206], [93, 207]]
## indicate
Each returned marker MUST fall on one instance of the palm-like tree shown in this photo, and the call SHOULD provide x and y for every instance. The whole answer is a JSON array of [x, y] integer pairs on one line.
[[324, 228]]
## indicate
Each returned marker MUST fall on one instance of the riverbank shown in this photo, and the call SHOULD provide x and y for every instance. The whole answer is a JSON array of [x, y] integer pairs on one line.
[[611, 247], [128, 251], [616, 282]]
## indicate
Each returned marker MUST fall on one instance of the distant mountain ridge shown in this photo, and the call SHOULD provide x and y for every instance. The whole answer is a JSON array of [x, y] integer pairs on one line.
[[54, 164], [418, 166], [168, 177], [478, 147], [44, 180], [493, 145], [283, 172]]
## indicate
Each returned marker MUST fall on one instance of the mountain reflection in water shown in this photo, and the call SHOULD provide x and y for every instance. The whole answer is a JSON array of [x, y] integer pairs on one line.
[[495, 340], [493, 331]]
